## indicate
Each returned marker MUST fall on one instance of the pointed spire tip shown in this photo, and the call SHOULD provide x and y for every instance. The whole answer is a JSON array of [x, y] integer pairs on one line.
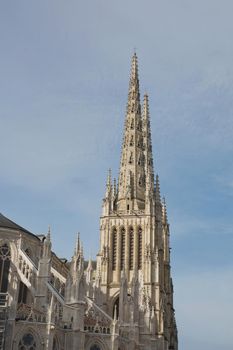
[[49, 233]]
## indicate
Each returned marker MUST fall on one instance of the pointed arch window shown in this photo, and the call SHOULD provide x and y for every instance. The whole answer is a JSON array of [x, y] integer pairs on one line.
[[140, 181], [139, 125], [23, 291], [114, 249], [131, 248], [5, 257], [27, 342], [139, 248], [132, 124], [140, 160], [122, 248], [116, 308], [140, 142], [131, 158], [131, 141]]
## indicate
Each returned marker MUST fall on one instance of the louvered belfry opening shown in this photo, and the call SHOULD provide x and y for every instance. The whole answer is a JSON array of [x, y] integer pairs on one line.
[[131, 248], [139, 248], [122, 248], [114, 249]]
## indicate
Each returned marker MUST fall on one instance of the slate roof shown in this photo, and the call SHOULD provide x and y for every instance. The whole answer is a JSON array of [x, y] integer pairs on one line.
[[7, 223]]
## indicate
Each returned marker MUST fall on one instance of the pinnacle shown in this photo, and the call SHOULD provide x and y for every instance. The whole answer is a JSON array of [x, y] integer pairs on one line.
[[109, 180], [49, 234], [133, 104], [78, 244], [134, 68], [114, 187], [164, 210], [89, 267], [108, 183]]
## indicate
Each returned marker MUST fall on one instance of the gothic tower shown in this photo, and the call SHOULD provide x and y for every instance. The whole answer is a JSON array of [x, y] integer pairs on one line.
[[133, 265]]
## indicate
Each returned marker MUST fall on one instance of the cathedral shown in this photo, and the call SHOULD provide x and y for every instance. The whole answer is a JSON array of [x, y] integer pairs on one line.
[[122, 300]]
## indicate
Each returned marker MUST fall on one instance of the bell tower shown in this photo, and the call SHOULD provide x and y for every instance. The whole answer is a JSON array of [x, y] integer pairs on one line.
[[133, 264]]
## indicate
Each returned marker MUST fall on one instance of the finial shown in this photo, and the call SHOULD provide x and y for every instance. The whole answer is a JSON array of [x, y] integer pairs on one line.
[[109, 176], [47, 244], [134, 70]]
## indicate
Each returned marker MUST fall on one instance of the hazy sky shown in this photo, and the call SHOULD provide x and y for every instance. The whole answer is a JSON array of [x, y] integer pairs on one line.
[[64, 70]]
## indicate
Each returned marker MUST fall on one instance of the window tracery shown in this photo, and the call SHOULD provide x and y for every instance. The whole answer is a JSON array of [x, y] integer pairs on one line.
[[5, 257]]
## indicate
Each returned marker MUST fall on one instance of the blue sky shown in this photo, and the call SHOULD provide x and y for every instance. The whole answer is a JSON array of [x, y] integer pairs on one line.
[[64, 70]]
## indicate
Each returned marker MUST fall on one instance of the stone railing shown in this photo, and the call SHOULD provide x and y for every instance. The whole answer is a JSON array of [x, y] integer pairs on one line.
[[127, 212]]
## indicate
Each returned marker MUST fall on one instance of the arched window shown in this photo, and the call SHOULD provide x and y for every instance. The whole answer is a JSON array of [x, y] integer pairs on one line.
[[139, 126], [22, 297], [131, 248], [139, 160], [114, 249], [27, 342], [131, 141], [5, 257], [132, 124], [116, 308], [139, 248], [131, 158], [122, 248]]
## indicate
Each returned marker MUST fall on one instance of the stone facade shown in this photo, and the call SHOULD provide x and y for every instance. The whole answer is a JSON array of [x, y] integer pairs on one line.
[[124, 299]]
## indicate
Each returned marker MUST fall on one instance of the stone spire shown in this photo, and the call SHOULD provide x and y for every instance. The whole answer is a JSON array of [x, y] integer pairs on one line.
[[149, 170], [131, 186], [49, 234], [77, 245], [108, 184], [47, 244]]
